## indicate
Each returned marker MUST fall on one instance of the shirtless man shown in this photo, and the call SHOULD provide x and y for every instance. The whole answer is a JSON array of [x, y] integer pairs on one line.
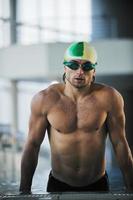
[[77, 115]]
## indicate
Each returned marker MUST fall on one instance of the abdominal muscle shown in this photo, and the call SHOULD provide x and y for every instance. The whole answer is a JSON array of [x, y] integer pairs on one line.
[[77, 158]]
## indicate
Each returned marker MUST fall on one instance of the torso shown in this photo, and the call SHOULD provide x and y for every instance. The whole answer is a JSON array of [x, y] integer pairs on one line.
[[77, 135]]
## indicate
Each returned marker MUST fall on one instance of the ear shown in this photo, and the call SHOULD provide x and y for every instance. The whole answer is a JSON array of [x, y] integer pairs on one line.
[[94, 72], [64, 69], [93, 76]]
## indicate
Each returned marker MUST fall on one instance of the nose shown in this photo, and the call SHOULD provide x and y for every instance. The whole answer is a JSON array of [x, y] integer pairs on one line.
[[80, 71]]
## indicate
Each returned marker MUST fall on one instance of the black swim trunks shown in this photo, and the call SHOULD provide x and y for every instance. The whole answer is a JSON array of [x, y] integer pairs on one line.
[[54, 185]]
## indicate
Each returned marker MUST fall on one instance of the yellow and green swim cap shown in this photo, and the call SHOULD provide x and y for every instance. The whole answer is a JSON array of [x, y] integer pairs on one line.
[[81, 50]]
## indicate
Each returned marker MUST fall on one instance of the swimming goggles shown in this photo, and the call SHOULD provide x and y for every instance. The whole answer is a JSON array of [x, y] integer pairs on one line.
[[74, 65]]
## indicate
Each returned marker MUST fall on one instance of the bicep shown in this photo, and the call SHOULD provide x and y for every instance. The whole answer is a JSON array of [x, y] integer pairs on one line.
[[116, 121], [116, 128], [38, 122], [37, 128]]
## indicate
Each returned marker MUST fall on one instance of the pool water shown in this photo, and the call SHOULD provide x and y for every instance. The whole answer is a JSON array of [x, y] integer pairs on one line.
[[10, 173]]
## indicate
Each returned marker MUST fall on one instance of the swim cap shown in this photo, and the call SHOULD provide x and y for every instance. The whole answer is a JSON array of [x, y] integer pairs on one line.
[[81, 50]]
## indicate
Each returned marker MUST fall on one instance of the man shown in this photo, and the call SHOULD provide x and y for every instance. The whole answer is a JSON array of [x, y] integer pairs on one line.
[[77, 115]]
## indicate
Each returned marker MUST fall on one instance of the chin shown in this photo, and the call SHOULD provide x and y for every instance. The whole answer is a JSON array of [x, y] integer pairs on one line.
[[80, 86]]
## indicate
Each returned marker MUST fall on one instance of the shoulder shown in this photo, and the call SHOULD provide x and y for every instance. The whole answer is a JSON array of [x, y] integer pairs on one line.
[[53, 91], [46, 98], [107, 90], [111, 95]]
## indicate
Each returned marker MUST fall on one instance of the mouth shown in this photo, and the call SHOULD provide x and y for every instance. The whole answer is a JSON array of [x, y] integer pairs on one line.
[[79, 78]]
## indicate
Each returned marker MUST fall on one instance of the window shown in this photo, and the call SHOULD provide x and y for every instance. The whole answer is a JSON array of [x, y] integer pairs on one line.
[[4, 23], [5, 99], [4, 9], [44, 21], [53, 20]]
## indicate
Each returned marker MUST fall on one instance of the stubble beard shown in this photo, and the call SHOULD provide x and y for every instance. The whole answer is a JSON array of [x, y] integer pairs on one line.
[[77, 86]]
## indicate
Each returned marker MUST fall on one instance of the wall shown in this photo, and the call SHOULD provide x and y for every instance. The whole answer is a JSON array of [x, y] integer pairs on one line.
[[44, 61]]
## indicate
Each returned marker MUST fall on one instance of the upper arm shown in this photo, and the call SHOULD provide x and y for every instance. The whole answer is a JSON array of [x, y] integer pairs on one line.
[[116, 119], [38, 122]]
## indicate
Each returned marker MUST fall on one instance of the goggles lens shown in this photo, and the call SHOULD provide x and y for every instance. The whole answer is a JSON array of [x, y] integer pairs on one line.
[[87, 66]]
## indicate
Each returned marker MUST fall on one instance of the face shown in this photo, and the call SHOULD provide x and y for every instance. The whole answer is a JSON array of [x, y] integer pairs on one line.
[[80, 75]]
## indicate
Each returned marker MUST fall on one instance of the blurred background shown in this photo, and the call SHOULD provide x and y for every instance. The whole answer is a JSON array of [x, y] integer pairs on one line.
[[33, 37]]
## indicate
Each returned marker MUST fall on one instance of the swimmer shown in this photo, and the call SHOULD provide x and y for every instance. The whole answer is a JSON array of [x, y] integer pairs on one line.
[[77, 115]]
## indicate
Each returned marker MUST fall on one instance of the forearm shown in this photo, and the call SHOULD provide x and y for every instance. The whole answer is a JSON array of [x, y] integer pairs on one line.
[[128, 177], [28, 166], [125, 161]]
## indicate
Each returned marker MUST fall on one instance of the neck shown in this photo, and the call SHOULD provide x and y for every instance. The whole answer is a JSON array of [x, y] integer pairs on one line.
[[76, 93]]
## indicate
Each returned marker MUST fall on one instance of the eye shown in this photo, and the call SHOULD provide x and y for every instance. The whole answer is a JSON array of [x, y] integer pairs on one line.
[[87, 66], [74, 65]]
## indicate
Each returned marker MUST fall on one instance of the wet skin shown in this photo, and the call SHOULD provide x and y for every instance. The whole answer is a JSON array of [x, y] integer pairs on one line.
[[77, 116], [77, 136]]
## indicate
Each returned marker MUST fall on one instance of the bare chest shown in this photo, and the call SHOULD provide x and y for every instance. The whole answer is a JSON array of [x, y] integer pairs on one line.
[[68, 117]]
